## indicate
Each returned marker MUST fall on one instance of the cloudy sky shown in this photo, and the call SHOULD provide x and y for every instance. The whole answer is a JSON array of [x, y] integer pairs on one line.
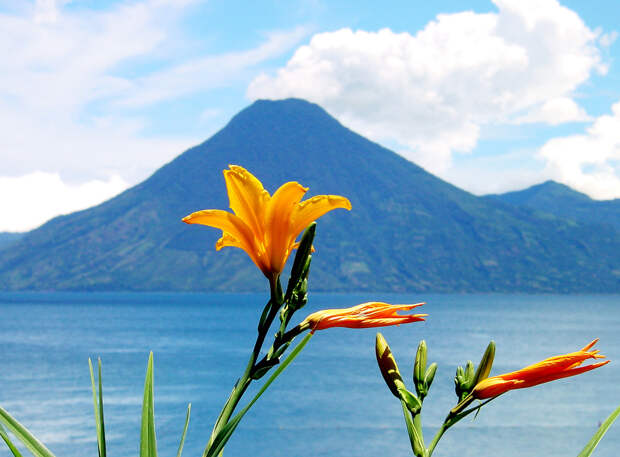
[[489, 95]]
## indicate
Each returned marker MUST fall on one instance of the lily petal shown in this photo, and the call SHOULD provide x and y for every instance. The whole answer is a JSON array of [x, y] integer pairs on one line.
[[310, 210], [227, 223], [247, 197], [278, 221]]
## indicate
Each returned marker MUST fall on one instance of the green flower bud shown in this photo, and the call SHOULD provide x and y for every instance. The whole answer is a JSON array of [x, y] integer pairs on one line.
[[301, 264], [469, 375], [460, 382], [429, 376], [388, 367], [466, 379], [484, 368], [419, 369]]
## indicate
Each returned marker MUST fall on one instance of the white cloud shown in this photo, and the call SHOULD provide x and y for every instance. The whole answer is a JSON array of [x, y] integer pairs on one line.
[[63, 105], [607, 39], [432, 92], [554, 112], [22, 209], [589, 162], [74, 83], [207, 72], [98, 150], [55, 66]]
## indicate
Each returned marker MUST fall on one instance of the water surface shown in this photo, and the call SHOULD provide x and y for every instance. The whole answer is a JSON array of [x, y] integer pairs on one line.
[[331, 401]]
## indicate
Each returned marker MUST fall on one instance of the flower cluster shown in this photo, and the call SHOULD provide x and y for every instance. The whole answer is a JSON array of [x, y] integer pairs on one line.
[[266, 227]]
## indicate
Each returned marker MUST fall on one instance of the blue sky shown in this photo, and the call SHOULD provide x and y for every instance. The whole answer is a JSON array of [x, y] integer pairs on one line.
[[490, 96]]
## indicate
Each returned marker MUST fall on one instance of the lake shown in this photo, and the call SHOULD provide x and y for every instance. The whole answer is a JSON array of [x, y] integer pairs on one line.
[[331, 401]]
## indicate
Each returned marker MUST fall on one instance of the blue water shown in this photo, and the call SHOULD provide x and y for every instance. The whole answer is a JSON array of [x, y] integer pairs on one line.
[[330, 402]]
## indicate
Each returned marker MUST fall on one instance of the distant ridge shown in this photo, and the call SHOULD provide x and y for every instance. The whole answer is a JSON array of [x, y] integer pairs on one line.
[[562, 201], [408, 231]]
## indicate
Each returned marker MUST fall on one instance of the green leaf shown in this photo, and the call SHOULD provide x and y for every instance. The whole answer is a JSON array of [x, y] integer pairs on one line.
[[20, 432], [413, 403], [415, 438], [8, 442], [98, 407], [189, 408], [148, 443], [101, 422], [587, 451], [226, 432]]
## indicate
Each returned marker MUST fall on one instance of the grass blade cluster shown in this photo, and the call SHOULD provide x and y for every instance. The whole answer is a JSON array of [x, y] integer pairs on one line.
[[20, 432], [8, 442]]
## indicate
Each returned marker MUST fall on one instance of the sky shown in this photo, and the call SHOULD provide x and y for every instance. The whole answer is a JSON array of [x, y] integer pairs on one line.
[[491, 96]]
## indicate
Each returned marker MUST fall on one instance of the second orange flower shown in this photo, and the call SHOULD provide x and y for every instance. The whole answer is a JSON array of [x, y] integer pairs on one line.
[[372, 314], [550, 369]]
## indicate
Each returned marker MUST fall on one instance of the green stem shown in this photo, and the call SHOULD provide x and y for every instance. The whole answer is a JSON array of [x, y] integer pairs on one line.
[[450, 420], [436, 439], [225, 433], [242, 383], [414, 430]]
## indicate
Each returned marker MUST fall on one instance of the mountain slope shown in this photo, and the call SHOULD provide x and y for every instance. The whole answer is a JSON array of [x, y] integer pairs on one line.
[[408, 229], [7, 238], [562, 201]]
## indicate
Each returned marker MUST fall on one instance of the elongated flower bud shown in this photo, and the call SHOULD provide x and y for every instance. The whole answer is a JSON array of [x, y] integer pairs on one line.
[[484, 368], [430, 375], [419, 369], [387, 365], [392, 377]]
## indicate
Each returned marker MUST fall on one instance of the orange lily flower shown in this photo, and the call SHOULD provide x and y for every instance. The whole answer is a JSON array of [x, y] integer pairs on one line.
[[264, 226], [560, 366], [372, 314]]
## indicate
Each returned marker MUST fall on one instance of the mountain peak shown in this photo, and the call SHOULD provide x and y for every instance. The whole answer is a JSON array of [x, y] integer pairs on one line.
[[287, 115], [556, 189], [285, 104], [562, 201], [547, 193]]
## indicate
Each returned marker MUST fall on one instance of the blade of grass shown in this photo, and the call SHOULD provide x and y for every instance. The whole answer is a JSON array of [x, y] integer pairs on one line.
[[101, 422], [587, 451], [189, 408], [224, 435], [20, 432], [98, 408], [148, 443], [8, 442]]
